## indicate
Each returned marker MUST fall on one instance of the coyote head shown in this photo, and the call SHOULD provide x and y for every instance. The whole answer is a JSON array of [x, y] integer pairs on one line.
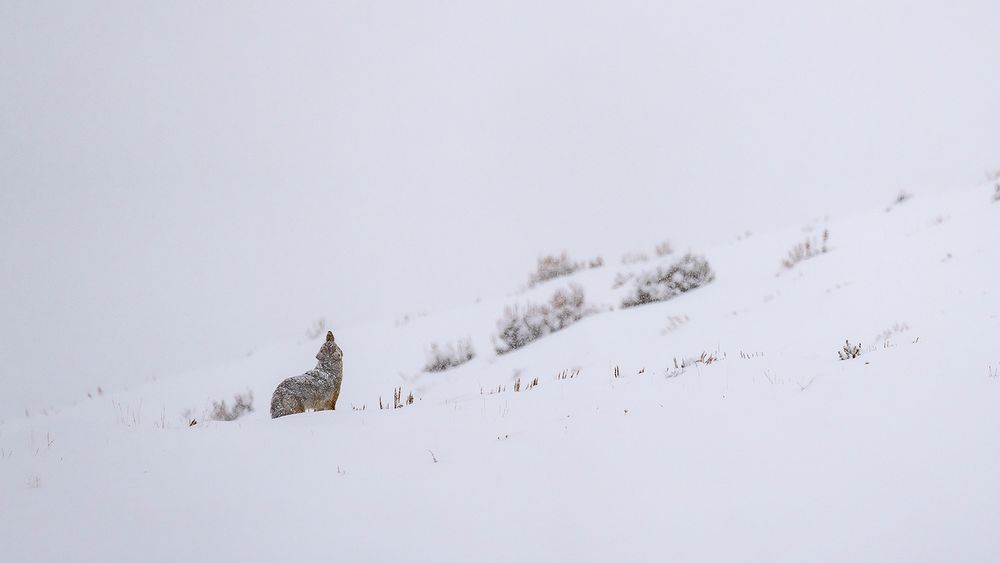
[[329, 352]]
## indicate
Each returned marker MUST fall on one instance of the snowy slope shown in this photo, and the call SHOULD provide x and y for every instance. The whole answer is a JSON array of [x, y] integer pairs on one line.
[[778, 451]]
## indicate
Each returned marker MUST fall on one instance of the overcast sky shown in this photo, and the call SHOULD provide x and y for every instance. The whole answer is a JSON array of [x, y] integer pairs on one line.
[[181, 182]]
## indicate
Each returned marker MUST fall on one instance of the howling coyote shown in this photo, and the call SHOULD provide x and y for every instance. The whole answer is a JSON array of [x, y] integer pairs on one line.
[[316, 389]]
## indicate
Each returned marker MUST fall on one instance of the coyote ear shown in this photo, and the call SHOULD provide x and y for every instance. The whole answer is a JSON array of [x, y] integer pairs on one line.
[[329, 336]]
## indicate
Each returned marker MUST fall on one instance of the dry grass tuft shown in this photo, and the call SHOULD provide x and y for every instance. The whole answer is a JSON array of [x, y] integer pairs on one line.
[[885, 335], [705, 358], [674, 322], [849, 352], [398, 401], [806, 250], [499, 389], [531, 384], [901, 198], [567, 374], [672, 373], [126, 415]]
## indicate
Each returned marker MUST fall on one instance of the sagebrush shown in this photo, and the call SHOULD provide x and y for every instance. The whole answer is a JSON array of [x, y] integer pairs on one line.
[[664, 283], [242, 404], [664, 249], [452, 354], [634, 257], [522, 324], [553, 266]]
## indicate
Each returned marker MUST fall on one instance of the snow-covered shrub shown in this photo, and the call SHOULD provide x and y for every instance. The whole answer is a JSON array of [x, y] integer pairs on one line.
[[805, 250], [674, 323], [901, 198], [242, 404], [849, 352], [519, 325], [621, 278], [566, 307], [664, 249], [552, 266], [522, 324], [996, 194], [885, 335], [665, 283], [440, 358], [634, 257]]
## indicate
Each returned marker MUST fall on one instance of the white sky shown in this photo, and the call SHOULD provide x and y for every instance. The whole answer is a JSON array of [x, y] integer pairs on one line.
[[181, 182]]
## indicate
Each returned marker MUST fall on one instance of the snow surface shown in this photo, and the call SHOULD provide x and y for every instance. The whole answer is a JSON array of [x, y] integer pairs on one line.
[[778, 451], [184, 181]]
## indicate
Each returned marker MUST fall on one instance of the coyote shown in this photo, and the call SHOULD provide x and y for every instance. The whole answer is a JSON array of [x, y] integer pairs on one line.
[[316, 389]]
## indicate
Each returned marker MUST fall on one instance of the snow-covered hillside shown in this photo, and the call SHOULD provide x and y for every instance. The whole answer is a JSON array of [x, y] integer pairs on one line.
[[771, 449]]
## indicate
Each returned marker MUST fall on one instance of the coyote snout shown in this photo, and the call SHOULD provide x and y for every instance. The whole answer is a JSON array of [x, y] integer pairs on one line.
[[316, 389]]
